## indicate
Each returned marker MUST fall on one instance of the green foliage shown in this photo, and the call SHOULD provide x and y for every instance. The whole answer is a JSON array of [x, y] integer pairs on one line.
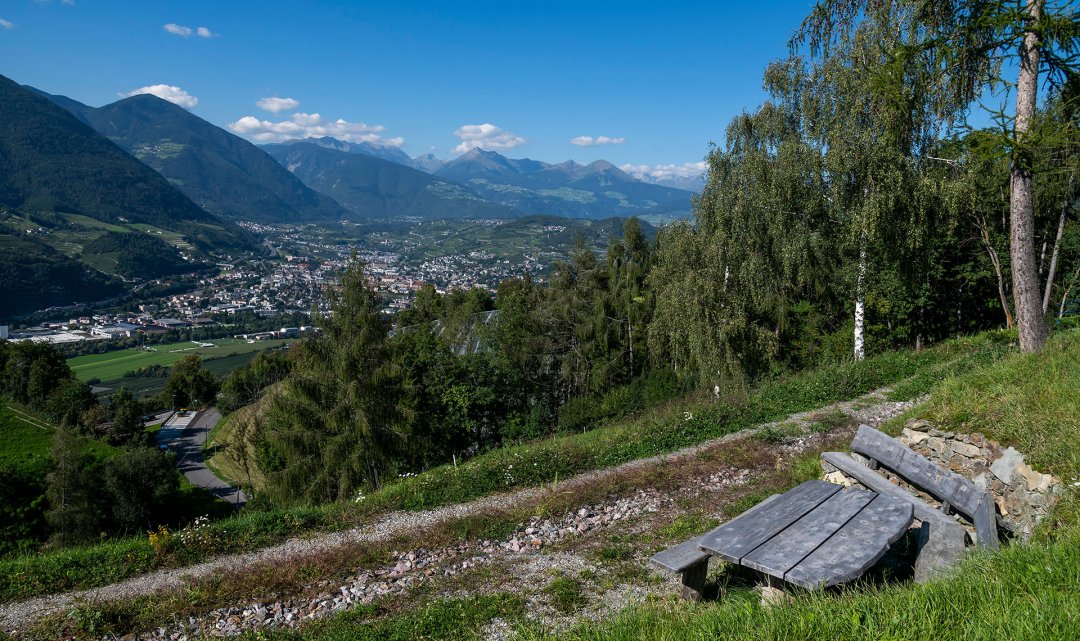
[[244, 385], [142, 484], [189, 384], [126, 416], [332, 423], [565, 594], [72, 514], [36, 375]]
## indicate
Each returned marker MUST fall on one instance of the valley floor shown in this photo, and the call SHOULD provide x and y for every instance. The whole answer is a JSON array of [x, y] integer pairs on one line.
[[560, 552]]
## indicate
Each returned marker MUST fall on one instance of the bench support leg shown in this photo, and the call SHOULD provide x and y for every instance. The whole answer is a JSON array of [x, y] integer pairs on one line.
[[693, 580], [940, 546]]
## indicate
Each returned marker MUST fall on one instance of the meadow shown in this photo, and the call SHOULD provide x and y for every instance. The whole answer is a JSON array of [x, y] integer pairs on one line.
[[111, 366]]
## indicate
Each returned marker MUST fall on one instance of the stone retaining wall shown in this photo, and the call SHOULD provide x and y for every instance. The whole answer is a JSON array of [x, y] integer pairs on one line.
[[1023, 495]]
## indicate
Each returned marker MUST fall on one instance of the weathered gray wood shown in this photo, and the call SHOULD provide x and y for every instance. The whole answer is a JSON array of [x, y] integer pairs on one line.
[[940, 544], [745, 533], [949, 487], [850, 467], [680, 557], [985, 520], [693, 580], [688, 554], [781, 553], [856, 546]]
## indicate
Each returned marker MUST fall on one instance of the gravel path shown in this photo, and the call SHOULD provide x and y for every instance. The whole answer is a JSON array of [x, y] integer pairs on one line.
[[872, 408]]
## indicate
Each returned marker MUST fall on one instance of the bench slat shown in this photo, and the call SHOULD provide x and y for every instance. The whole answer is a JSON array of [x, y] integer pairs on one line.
[[856, 547], [679, 558], [742, 535], [948, 486], [782, 553]]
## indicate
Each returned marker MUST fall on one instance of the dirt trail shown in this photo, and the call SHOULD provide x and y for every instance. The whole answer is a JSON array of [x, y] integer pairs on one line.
[[872, 408]]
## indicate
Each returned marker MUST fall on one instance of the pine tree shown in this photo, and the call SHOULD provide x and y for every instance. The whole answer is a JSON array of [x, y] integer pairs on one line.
[[334, 421], [71, 513]]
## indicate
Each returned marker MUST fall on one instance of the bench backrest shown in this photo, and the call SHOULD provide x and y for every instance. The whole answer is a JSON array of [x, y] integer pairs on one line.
[[957, 491], [948, 487]]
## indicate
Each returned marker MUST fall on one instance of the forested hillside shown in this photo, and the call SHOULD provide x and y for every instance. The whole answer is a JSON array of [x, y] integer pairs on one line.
[[52, 162]]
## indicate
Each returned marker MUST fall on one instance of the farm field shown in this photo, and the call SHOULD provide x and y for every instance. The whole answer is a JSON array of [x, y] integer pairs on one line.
[[112, 366]]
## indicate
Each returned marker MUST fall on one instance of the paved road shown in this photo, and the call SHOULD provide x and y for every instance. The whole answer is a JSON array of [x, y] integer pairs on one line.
[[187, 442]]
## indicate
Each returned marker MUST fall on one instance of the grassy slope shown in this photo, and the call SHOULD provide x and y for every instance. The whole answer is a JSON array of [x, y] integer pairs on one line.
[[222, 448], [1025, 592], [659, 431]]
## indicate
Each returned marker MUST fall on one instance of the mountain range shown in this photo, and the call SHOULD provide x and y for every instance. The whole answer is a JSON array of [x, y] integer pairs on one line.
[[373, 187], [597, 190], [223, 173]]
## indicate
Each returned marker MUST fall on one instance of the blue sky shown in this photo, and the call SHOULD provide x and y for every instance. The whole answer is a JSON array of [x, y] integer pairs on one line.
[[665, 78]]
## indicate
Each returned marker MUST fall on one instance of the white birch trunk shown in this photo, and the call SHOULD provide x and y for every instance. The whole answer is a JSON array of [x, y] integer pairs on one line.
[[860, 302]]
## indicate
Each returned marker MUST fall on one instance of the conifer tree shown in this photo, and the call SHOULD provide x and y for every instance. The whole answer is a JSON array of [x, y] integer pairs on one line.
[[334, 421], [71, 515]]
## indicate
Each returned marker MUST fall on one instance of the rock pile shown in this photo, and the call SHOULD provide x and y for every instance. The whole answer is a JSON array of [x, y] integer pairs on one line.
[[410, 569], [1023, 495]]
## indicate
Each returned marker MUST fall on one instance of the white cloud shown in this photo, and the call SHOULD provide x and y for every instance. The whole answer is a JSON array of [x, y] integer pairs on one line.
[[7, 24], [303, 125], [178, 30], [666, 172], [172, 93], [277, 105], [486, 136], [185, 32], [589, 141]]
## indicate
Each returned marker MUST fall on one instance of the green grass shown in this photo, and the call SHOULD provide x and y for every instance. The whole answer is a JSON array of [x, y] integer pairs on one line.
[[111, 366], [1032, 403], [223, 452], [565, 594], [665, 429], [27, 440], [24, 444]]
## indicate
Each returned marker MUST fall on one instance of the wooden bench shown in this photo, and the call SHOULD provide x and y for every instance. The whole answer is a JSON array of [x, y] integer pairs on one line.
[[815, 535], [821, 534], [941, 540]]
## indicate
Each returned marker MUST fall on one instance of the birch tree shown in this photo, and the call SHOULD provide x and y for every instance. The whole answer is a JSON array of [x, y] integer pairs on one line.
[[966, 44]]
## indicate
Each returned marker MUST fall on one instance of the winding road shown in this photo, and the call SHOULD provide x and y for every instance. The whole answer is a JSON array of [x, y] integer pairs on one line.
[[187, 442]]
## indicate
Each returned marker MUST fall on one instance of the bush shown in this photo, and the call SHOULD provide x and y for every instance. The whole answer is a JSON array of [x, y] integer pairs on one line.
[[579, 414], [142, 483]]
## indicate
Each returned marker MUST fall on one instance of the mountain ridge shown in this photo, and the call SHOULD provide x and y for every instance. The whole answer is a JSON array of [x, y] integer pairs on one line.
[[220, 171], [371, 187]]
